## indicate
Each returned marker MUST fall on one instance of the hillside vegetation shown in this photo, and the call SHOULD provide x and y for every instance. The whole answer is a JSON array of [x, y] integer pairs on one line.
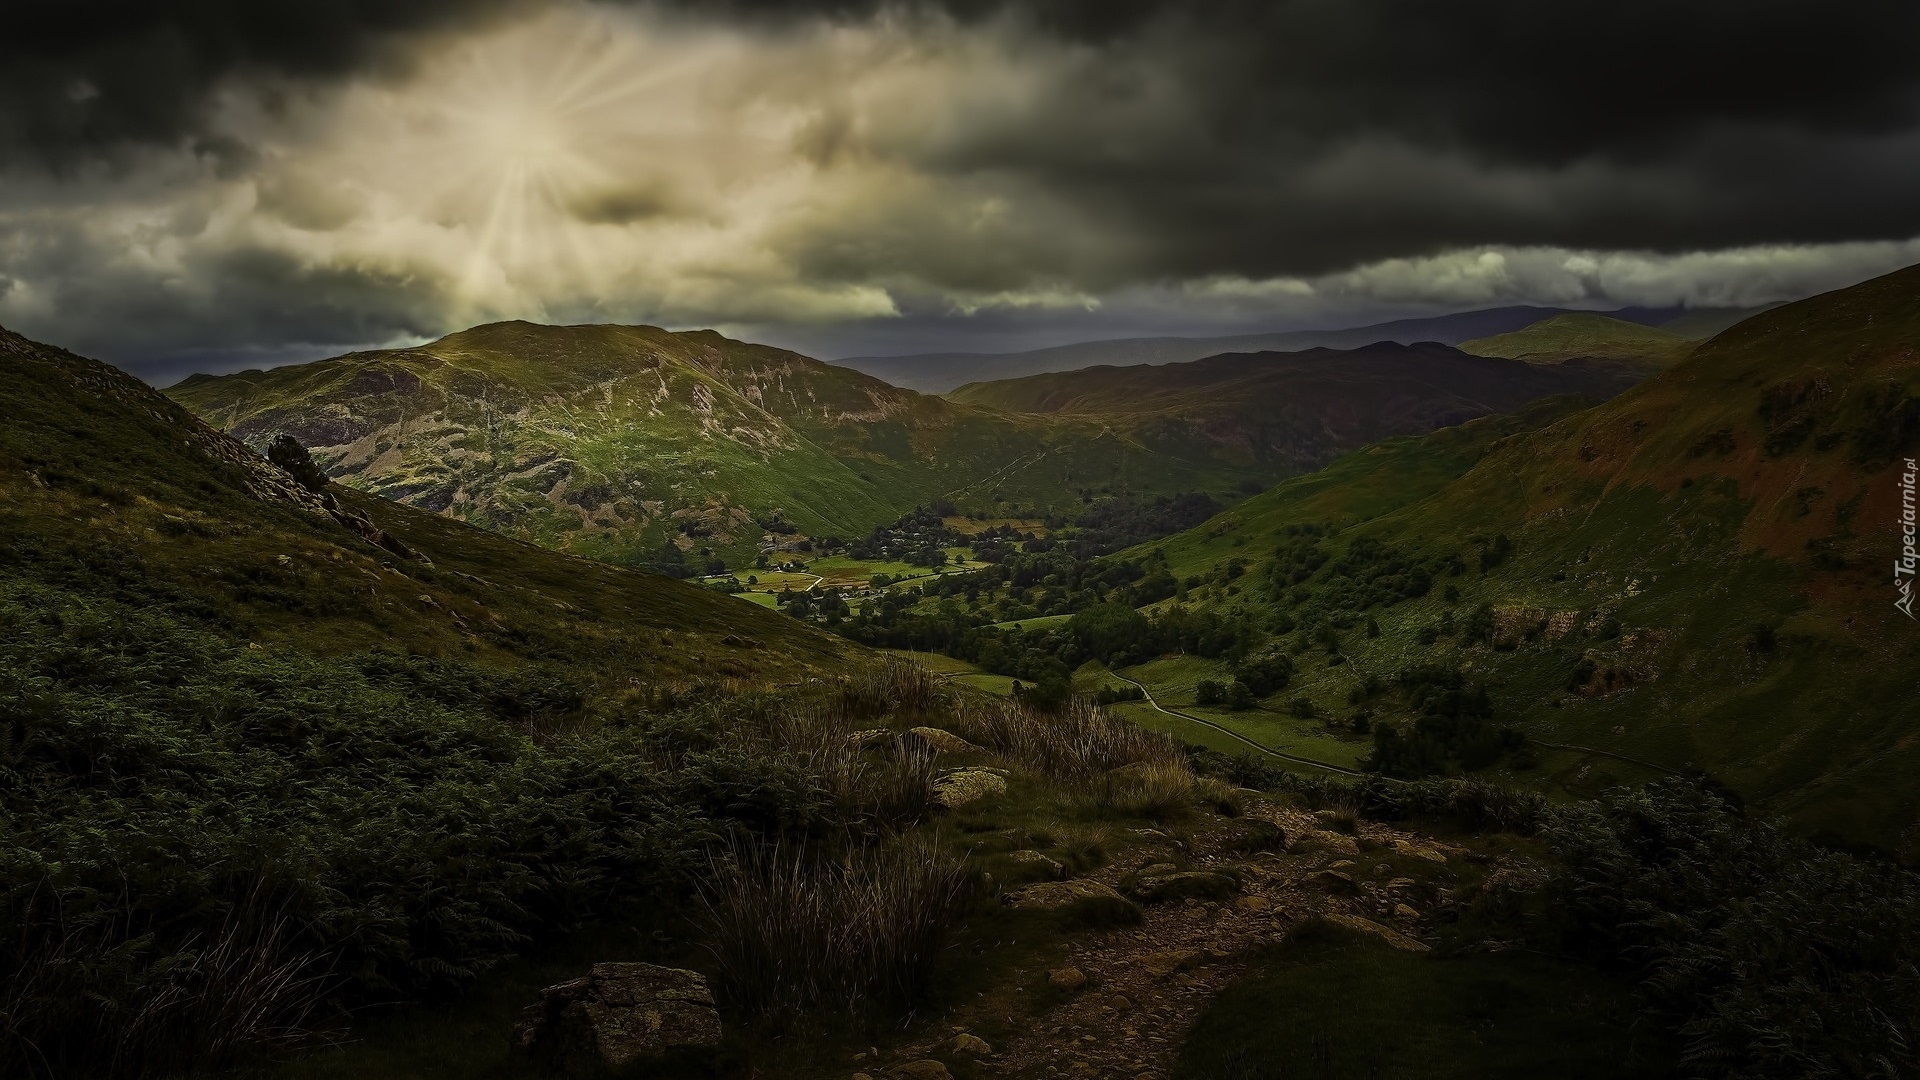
[[1692, 576]]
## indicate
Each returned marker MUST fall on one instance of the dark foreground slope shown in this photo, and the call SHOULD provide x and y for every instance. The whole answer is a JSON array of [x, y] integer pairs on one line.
[[1696, 575], [259, 758]]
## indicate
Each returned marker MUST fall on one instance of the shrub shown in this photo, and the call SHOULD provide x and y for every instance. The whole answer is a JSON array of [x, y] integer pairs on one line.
[[1771, 957], [792, 930], [1160, 788], [286, 452]]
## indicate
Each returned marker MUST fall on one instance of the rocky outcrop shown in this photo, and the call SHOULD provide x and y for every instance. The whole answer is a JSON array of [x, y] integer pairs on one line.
[[1165, 882], [942, 740], [623, 1020], [964, 787], [1087, 900]]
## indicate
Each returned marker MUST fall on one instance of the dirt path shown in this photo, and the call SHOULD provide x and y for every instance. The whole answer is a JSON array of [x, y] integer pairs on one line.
[[1145, 985]]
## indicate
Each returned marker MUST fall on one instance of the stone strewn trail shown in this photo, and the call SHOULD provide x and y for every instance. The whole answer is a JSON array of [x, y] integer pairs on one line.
[[1128, 994]]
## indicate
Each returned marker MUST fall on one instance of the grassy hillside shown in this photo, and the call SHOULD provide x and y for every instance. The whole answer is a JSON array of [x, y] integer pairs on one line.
[[1582, 334], [1693, 575], [626, 443], [107, 486]]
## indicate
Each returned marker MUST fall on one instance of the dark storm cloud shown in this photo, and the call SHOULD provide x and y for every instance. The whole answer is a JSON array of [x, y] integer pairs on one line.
[[1294, 136], [1309, 135], [238, 174], [83, 78]]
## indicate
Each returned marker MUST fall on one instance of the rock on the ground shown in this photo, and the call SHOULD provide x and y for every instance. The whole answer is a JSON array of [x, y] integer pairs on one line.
[[1039, 863], [623, 1019], [1166, 963], [964, 787], [1333, 882], [921, 1070], [942, 740], [1372, 929], [1088, 900], [971, 1045], [1322, 840], [1162, 883], [1067, 978]]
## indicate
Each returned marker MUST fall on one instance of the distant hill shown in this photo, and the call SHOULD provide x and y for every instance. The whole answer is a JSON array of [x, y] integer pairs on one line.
[[1694, 575], [1297, 411], [1584, 334], [938, 373]]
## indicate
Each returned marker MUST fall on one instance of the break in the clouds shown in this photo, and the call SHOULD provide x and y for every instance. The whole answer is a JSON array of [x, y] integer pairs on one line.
[[211, 184]]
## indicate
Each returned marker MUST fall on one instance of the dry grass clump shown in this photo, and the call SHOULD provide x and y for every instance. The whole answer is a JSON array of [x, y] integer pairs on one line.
[[892, 687], [243, 990], [1117, 767], [792, 930], [1078, 743], [885, 782]]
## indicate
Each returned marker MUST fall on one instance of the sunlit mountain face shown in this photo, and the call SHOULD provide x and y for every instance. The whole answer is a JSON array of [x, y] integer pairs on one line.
[[894, 178]]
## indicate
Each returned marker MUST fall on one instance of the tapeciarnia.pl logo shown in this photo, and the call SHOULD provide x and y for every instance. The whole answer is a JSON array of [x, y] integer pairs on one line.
[[1903, 567]]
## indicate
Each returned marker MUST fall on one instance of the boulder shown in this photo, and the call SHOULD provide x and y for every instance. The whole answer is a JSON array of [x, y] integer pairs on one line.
[[942, 740], [1070, 979], [623, 1020], [1332, 882], [1160, 884], [971, 1045], [1333, 842], [1034, 864], [1372, 929], [964, 787], [1087, 900]]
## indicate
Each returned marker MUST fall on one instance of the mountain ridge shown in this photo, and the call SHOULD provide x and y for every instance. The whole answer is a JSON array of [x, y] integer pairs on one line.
[[940, 372]]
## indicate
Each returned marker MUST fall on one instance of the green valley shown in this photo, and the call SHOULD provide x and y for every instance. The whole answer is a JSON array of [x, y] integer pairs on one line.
[[1687, 579]]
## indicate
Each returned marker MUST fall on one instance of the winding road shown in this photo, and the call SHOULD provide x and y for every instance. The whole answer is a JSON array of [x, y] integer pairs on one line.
[[1232, 734]]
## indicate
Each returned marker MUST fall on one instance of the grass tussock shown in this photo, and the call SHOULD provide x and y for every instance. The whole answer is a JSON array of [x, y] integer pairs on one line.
[[244, 990], [893, 687], [1076, 744], [1113, 767], [793, 930]]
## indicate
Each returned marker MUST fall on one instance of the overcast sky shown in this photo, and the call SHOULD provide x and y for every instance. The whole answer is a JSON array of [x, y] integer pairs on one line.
[[214, 184]]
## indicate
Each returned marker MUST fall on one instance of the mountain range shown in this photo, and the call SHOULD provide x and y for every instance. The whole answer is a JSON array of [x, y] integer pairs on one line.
[[637, 445], [938, 373]]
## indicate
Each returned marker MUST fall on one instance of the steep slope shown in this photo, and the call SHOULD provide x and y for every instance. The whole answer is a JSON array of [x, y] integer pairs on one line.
[[1297, 411], [1565, 337], [110, 492], [939, 373], [1693, 575]]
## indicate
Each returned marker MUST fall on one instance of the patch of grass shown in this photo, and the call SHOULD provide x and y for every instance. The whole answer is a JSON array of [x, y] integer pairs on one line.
[[1330, 1005]]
